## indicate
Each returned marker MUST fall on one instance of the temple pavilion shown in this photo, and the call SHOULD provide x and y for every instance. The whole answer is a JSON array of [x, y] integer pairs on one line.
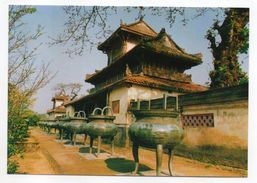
[[58, 108], [142, 64]]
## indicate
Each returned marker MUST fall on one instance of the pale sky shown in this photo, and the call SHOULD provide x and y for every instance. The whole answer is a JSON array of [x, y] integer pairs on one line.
[[190, 37]]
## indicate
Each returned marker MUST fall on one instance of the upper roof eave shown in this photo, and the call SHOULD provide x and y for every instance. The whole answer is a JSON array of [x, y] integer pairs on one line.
[[127, 28], [169, 85], [101, 45], [141, 21], [183, 56], [186, 57]]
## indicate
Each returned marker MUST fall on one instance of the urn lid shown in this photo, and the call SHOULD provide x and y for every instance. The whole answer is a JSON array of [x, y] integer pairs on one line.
[[103, 117]]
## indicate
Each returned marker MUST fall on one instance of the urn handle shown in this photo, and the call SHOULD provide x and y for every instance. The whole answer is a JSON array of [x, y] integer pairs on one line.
[[97, 109], [81, 114], [105, 108]]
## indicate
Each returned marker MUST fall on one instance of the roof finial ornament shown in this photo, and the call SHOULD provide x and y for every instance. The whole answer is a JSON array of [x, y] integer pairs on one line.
[[121, 22], [162, 31], [128, 71]]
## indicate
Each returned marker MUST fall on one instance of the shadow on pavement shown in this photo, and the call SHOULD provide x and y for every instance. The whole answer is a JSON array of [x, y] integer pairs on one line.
[[86, 150], [123, 165], [68, 142]]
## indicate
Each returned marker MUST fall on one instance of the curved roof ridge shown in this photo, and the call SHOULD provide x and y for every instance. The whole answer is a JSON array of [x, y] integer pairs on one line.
[[173, 45], [137, 22]]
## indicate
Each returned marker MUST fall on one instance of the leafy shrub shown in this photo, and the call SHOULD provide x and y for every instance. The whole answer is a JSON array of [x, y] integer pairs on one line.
[[17, 125], [33, 119], [11, 167]]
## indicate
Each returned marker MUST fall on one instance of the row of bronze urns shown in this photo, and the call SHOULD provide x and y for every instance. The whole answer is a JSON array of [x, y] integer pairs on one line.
[[148, 131]]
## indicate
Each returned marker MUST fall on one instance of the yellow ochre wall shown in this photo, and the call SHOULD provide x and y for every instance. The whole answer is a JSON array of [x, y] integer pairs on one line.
[[70, 110], [230, 125]]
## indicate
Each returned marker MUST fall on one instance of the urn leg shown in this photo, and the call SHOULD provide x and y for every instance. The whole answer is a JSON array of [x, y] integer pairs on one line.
[[61, 134], [159, 151], [71, 136], [135, 155], [74, 138], [171, 153], [112, 146], [98, 145], [91, 144], [64, 134], [85, 138]]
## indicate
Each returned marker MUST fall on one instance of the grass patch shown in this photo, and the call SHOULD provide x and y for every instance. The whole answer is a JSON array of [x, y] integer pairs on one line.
[[216, 155], [12, 166]]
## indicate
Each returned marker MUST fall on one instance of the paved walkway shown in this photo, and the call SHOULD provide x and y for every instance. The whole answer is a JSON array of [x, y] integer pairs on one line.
[[54, 157]]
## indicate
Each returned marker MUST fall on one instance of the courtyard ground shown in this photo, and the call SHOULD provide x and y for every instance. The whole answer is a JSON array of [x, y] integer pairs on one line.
[[47, 155]]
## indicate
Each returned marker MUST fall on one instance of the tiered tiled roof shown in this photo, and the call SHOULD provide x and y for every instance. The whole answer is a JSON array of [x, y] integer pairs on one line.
[[140, 28], [165, 84], [152, 82], [59, 109], [160, 45], [60, 97], [163, 44]]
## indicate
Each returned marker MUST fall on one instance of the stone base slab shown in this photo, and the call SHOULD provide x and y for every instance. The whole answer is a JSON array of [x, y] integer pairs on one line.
[[102, 156]]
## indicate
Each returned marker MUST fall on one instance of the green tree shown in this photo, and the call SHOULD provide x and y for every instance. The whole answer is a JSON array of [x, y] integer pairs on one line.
[[32, 118], [17, 126], [234, 39]]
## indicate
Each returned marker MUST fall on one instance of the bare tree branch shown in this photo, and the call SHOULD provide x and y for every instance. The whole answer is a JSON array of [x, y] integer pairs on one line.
[[70, 89], [23, 73], [82, 21]]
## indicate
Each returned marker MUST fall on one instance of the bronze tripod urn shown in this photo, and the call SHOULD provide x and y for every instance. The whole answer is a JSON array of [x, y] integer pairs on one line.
[[101, 126], [77, 125], [157, 130]]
